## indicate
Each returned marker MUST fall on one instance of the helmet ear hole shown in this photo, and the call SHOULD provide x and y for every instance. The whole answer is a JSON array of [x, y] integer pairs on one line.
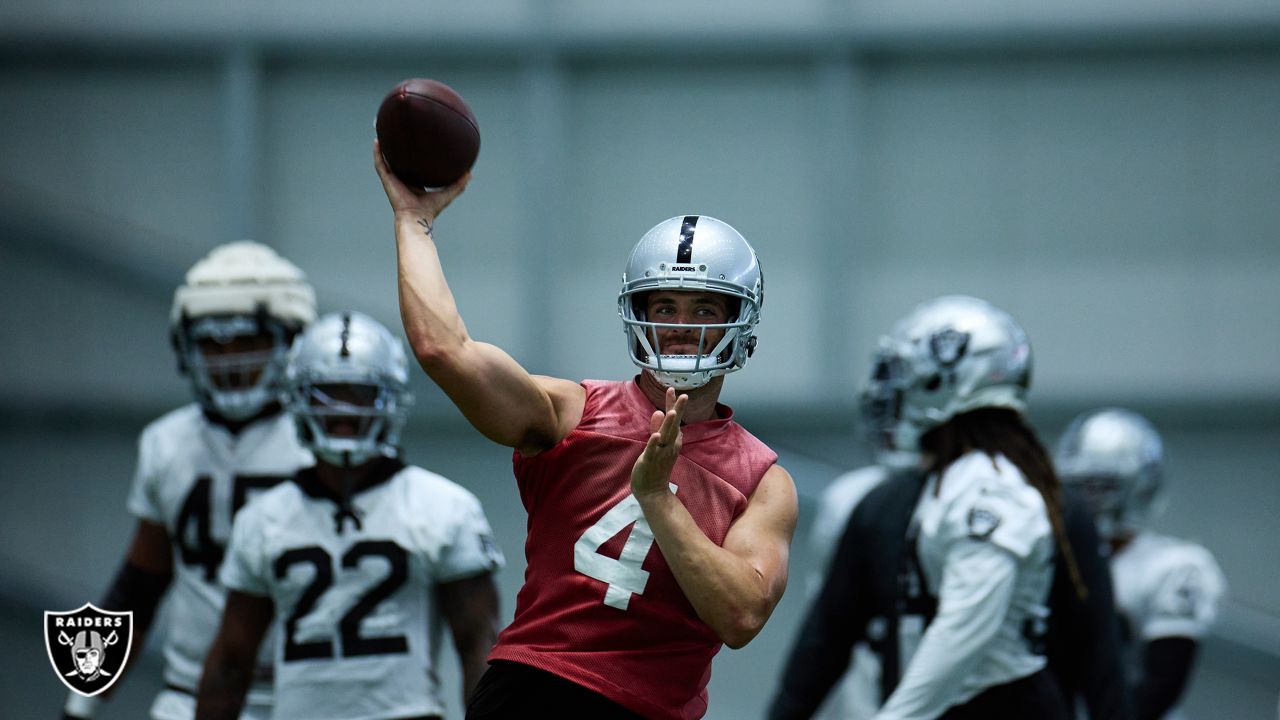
[[933, 383]]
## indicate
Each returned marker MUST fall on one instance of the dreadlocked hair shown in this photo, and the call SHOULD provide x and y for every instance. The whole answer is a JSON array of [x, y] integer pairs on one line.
[[1003, 430]]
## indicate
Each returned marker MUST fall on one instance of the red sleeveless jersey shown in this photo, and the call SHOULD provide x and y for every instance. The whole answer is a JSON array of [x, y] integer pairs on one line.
[[599, 606]]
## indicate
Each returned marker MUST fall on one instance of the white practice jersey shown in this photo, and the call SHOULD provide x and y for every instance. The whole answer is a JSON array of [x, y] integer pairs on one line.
[[985, 547], [192, 477], [857, 695], [1165, 587], [358, 630]]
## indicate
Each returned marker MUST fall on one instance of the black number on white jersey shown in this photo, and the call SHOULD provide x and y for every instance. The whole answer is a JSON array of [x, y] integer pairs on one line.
[[317, 558], [353, 643], [196, 545]]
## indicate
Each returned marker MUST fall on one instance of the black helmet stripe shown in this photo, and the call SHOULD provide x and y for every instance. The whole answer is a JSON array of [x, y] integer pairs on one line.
[[684, 251], [346, 335]]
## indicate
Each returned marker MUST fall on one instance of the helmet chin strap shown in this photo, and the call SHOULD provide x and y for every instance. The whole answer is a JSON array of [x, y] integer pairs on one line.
[[345, 509]]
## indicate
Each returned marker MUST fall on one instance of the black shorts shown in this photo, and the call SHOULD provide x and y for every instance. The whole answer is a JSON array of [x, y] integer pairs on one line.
[[1034, 696], [514, 690]]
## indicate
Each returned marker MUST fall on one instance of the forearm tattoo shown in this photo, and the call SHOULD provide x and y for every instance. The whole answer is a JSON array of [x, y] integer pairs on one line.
[[426, 225]]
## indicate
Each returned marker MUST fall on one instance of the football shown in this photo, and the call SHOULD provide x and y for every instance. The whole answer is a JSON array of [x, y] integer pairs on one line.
[[427, 134]]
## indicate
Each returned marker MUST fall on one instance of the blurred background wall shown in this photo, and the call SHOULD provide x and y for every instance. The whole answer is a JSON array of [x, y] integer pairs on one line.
[[1109, 173]]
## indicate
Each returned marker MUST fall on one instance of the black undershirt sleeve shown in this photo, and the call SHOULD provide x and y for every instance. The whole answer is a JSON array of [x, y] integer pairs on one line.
[[1166, 668], [835, 622], [138, 590]]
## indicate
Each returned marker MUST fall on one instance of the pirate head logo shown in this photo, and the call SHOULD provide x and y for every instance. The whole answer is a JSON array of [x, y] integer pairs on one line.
[[88, 647], [948, 346]]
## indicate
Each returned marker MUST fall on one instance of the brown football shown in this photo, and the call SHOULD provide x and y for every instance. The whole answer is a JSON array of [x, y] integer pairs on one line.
[[427, 134]]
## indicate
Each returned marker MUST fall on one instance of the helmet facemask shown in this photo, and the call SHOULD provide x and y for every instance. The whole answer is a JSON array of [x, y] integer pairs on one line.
[[349, 423], [685, 371], [1105, 497], [893, 440], [236, 363]]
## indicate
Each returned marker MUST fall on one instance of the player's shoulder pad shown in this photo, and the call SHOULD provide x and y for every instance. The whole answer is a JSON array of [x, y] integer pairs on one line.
[[275, 506], [172, 432], [989, 499], [439, 514], [1187, 588], [431, 495], [1177, 561]]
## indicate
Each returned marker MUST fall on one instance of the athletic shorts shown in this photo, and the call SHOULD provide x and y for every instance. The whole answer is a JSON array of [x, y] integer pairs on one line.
[[514, 690], [1034, 696]]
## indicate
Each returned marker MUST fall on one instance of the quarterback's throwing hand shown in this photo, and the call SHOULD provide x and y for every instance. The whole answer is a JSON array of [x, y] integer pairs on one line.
[[653, 468], [426, 204]]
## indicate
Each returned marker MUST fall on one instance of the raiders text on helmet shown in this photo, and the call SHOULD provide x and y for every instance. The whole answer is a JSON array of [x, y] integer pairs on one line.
[[692, 252], [1116, 458], [353, 350], [950, 355], [240, 289]]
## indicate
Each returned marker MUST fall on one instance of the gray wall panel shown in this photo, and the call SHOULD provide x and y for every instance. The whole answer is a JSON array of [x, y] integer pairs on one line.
[[132, 151], [1093, 195], [649, 143]]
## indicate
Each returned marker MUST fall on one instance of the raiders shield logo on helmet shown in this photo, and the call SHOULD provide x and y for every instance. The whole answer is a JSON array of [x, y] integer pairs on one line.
[[88, 647], [948, 346]]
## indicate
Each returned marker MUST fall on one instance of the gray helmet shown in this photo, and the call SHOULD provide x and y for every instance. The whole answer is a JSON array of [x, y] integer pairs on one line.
[[949, 356], [1116, 458], [692, 252], [349, 349], [239, 289]]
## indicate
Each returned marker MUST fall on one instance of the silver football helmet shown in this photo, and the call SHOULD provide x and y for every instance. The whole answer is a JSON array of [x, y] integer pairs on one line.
[[692, 252], [949, 356], [349, 389], [1116, 458], [232, 322]]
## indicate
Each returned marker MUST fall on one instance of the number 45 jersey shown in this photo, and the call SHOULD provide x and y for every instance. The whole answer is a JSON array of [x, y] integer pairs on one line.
[[192, 477], [600, 606], [357, 630]]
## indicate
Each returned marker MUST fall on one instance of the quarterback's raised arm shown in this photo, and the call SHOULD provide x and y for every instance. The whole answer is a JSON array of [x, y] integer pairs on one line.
[[498, 396]]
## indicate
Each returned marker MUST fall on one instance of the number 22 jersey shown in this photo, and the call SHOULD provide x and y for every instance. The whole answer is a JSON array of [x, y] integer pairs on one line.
[[600, 606], [193, 476], [358, 631]]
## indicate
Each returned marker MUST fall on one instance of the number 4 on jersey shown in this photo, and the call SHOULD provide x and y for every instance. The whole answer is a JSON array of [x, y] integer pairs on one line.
[[623, 575]]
